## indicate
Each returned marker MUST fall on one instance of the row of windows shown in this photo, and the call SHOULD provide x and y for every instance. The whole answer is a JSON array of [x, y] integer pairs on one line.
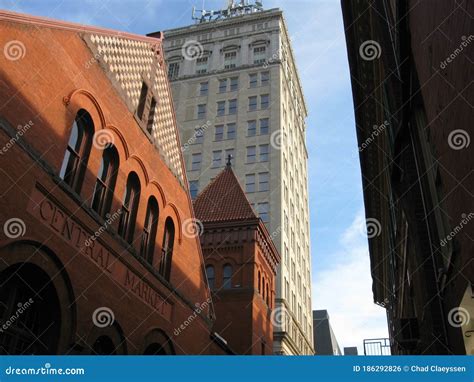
[[226, 283], [217, 159], [227, 272], [232, 84], [229, 131], [232, 105], [230, 61], [73, 170]]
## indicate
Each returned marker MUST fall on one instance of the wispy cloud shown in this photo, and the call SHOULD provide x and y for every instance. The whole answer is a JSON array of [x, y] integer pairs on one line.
[[344, 289]]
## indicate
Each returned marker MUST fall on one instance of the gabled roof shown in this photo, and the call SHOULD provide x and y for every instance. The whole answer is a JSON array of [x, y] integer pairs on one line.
[[223, 200]]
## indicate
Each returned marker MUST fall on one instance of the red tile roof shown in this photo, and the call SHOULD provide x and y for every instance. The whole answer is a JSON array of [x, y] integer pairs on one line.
[[223, 200]]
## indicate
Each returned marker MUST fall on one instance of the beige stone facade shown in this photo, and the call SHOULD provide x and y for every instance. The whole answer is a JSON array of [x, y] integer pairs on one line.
[[236, 91]]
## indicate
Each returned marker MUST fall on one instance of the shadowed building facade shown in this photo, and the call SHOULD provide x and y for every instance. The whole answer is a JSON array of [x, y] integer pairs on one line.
[[411, 71], [241, 264], [93, 198]]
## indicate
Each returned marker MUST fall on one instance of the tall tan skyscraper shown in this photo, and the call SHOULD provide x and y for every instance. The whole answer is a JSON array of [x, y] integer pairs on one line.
[[237, 92]]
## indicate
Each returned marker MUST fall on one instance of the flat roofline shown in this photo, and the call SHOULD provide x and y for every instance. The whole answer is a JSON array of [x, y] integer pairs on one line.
[[46, 22], [211, 24]]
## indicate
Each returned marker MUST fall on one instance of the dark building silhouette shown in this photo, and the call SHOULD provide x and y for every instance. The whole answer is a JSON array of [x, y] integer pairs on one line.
[[325, 341], [411, 72], [241, 264]]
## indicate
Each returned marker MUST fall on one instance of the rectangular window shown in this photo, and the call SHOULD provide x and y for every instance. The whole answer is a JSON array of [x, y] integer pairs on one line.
[[231, 131], [220, 108], [194, 188], [264, 101], [201, 111], [263, 181], [234, 84], [263, 212], [233, 106], [251, 154], [203, 88], [259, 54], [264, 149], [173, 70], [264, 126], [252, 103], [201, 65], [251, 128], [264, 78], [253, 80], [230, 60], [219, 134], [223, 85], [216, 158], [196, 161], [250, 183]]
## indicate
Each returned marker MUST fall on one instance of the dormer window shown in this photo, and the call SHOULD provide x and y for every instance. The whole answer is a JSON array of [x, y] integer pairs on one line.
[[145, 113]]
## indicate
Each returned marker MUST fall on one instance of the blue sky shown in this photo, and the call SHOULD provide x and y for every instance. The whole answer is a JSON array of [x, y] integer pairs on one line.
[[340, 263]]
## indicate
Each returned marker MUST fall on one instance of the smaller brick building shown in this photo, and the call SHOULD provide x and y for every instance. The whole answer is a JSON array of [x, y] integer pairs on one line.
[[241, 263]]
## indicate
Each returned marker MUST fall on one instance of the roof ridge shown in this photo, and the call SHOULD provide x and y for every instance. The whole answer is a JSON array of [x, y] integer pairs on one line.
[[223, 199]]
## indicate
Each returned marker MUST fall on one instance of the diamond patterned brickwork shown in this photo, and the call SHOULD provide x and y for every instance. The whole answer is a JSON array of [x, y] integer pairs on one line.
[[127, 62]]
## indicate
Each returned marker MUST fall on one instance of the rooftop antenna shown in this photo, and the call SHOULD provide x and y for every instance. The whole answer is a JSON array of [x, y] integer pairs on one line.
[[233, 9]]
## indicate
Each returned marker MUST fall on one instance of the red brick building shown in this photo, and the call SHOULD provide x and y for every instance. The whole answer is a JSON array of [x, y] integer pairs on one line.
[[241, 263], [94, 196]]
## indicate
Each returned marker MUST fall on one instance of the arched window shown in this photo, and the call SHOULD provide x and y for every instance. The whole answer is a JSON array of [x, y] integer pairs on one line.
[[105, 183], [259, 279], [149, 230], [263, 287], [104, 346], [77, 151], [167, 249], [211, 276], [268, 297], [227, 279], [130, 207]]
